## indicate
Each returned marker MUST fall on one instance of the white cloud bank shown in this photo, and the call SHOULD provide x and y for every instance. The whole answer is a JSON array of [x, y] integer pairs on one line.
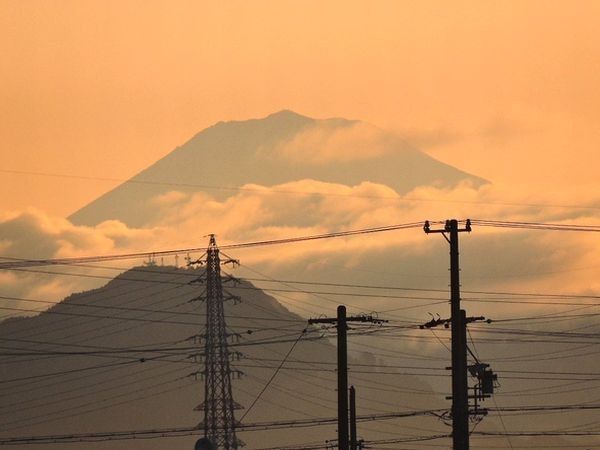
[[491, 258]]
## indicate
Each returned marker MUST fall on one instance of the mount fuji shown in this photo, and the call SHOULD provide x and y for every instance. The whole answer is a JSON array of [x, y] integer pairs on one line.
[[279, 148]]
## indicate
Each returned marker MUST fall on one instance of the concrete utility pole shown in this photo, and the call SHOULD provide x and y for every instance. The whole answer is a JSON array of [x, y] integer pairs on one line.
[[342, 367], [458, 321], [353, 445], [342, 356]]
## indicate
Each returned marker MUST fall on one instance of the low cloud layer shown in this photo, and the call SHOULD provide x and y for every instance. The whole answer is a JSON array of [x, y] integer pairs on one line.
[[491, 258]]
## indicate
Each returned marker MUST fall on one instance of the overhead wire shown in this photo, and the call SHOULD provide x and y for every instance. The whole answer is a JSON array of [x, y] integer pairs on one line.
[[17, 262], [81, 412], [265, 278], [64, 399], [535, 225], [172, 432], [95, 409], [587, 297], [270, 191], [293, 346]]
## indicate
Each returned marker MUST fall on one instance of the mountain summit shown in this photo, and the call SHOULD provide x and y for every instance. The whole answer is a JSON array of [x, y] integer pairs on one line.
[[279, 148]]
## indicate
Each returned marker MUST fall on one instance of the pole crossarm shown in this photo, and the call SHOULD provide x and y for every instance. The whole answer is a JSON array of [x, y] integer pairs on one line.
[[446, 322], [363, 319]]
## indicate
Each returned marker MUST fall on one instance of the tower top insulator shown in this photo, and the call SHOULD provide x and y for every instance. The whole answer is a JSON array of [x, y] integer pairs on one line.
[[213, 240]]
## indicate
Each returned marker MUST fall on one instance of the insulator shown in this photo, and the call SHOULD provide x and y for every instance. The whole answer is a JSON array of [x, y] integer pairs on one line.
[[198, 280], [234, 337], [197, 357], [197, 338], [197, 375], [236, 299]]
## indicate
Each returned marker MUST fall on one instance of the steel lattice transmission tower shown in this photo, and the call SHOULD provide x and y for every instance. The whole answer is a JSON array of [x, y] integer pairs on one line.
[[218, 405]]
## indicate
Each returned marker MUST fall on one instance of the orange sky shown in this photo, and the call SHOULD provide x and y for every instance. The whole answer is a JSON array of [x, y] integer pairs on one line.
[[507, 90]]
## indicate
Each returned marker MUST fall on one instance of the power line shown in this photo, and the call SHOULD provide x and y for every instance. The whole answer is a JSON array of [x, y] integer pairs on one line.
[[538, 433], [122, 308], [173, 432], [117, 351], [536, 226], [288, 192], [273, 375], [55, 399], [56, 395], [536, 408], [66, 372], [443, 369], [110, 405], [303, 282], [366, 443], [136, 319], [333, 293], [100, 408], [303, 377], [18, 262], [163, 353]]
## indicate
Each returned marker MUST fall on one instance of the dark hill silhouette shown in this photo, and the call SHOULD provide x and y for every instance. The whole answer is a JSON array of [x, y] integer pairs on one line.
[[124, 393], [231, 154]]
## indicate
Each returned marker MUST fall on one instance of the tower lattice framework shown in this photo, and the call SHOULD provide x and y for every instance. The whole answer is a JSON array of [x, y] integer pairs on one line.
[[218, 405]]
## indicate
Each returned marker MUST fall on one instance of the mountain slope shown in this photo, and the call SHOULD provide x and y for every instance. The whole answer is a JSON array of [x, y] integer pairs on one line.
[[148, 308], [231, 154]]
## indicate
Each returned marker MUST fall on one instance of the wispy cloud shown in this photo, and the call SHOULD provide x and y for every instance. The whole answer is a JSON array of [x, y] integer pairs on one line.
[[328, 142]]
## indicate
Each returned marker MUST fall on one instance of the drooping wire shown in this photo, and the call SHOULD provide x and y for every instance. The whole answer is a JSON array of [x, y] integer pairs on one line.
[[274, 374]]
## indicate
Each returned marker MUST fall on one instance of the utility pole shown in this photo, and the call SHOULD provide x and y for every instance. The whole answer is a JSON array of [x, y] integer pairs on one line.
[[341, 322], [219, 421], [458, 322], [352, 418]]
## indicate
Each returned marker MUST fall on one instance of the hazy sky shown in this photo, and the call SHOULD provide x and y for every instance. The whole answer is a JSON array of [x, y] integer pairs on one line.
[[507, 90]]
